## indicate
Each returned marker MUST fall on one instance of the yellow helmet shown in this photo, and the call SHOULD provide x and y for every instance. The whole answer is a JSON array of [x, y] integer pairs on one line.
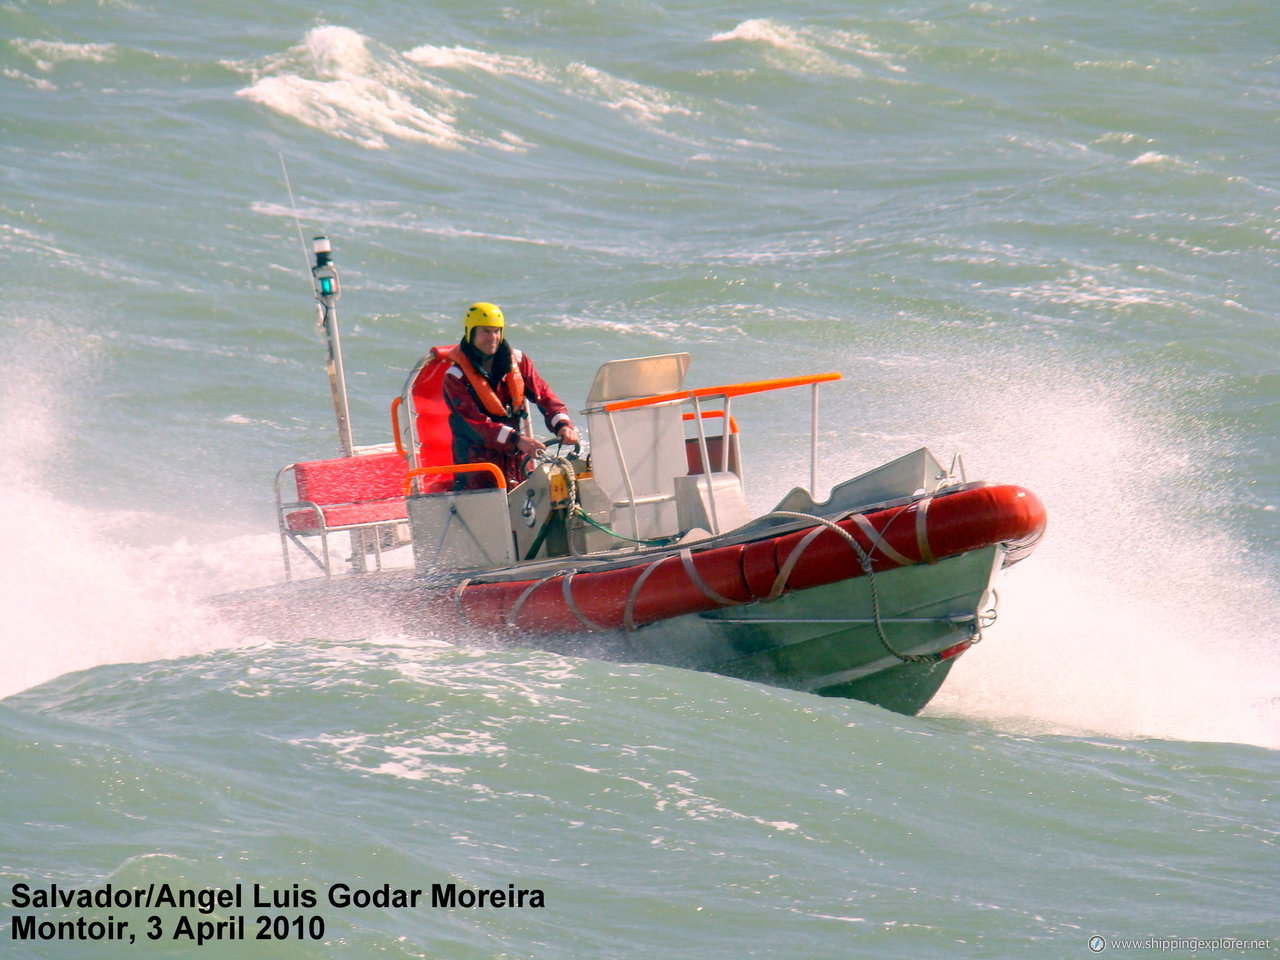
[[482, 315]]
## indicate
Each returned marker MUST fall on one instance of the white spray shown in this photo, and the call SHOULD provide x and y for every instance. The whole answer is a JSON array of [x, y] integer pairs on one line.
[[1138, 615], [73, 593]]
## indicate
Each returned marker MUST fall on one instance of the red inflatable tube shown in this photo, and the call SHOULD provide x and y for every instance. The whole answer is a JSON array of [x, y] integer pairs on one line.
[[671, 585]]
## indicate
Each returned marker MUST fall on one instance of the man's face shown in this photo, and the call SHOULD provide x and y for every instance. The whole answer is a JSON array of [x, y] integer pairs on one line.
[[486, 339]]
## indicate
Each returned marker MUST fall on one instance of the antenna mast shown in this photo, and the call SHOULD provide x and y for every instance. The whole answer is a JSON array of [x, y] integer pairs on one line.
[[328, 290]]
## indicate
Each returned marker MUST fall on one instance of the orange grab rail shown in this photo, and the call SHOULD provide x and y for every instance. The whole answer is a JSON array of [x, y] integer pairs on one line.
[[395, 424], [733, 421], [488, 468], [730, 390]]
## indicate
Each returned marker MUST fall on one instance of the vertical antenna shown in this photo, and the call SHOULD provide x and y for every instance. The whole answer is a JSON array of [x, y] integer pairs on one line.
[[293, 205]]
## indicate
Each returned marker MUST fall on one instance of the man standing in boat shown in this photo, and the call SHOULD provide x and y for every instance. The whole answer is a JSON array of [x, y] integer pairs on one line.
[[485, 390]]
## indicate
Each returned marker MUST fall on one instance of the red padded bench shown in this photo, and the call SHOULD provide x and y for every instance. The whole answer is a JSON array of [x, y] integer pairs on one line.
[[347, 493]]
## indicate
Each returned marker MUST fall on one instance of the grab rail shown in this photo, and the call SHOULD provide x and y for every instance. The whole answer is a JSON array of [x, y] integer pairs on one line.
[[454, 468], [728, 390]]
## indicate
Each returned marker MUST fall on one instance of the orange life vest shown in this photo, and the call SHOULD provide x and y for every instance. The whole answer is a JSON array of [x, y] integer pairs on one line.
[[514, 380]]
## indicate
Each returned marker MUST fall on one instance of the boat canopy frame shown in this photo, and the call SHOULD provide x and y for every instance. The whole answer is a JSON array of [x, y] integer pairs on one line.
[[696, 397]]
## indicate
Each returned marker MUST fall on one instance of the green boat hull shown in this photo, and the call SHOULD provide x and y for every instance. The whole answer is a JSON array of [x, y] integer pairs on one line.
[[828, 640]]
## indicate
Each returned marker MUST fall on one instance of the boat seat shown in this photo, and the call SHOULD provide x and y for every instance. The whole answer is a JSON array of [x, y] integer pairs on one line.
[[636, 454], [714, 502], [347, 493]]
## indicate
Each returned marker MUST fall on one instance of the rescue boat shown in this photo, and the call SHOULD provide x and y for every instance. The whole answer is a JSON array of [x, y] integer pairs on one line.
[[641, 547]]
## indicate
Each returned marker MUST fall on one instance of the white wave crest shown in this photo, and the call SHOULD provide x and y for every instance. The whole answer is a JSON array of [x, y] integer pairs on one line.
[[638, 102], [47, 54], [463, 58], [766, 31], [336, 82], [806, 49], [643, 103], [1153, 158]]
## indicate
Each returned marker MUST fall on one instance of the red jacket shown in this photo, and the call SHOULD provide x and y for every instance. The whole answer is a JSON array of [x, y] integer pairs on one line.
[[481, 437]]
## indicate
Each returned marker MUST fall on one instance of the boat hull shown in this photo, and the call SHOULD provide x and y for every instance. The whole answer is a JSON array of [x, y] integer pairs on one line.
[[872, 606], [827, 640]]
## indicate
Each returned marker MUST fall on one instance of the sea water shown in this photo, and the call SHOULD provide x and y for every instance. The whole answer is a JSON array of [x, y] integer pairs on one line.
[[1042, 236]]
